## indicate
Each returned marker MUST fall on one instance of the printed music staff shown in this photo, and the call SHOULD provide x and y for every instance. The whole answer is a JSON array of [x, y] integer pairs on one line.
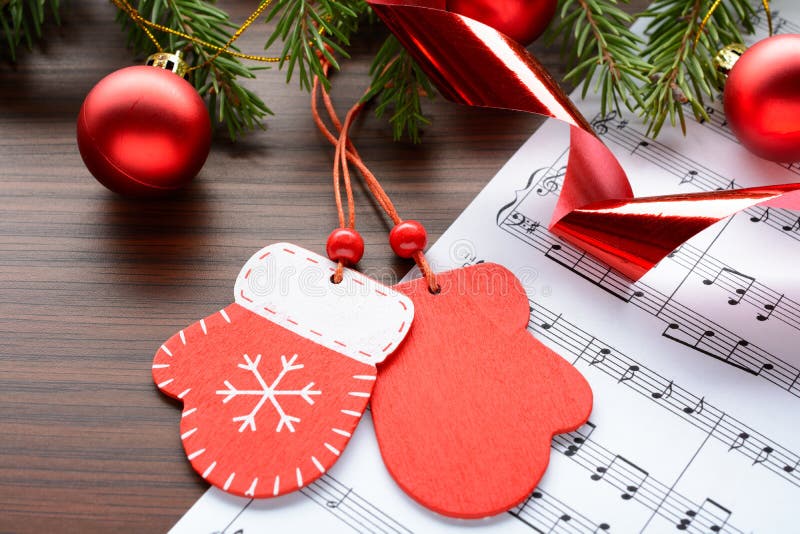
[[770, 308], [742, 280], [579, 437], [624, 474], [710, 517], [697, 409], [664, 393]]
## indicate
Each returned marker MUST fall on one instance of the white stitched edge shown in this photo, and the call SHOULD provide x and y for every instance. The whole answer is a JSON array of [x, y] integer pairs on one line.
[[378, 340]]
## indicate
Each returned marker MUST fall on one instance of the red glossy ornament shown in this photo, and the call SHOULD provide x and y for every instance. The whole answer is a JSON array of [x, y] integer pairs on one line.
[[143, 131], [408, 238], [522, 20], [345, 245], [762, 98]]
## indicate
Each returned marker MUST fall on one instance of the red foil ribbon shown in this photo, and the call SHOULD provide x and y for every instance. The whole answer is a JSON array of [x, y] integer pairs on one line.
[[474, 64]]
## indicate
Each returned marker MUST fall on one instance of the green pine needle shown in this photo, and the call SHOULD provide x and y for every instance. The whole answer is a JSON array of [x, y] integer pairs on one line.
[[229, 102], [604, 54], [309, 27], [21, 23], [681, 74], [658, 76], [399, 84]]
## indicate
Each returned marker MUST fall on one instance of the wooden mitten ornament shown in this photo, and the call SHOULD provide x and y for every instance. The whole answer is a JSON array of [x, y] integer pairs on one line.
[[465, 411], [274, 385]]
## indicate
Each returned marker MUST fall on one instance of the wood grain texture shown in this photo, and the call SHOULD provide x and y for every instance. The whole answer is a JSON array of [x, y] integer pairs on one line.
[[90, 284]]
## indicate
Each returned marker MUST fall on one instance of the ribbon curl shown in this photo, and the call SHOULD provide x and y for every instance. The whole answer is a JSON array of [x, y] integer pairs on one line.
[[474, 64]]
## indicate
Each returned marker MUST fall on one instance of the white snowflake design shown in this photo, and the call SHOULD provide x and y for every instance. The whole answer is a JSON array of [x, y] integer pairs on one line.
[[268, 393]]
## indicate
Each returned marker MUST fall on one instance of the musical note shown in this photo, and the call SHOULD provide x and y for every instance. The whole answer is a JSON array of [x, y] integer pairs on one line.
[[694, 344], [628, 476], [675, 252], [545, 513], [548, 326], [738, 277], [794, 227], [764, 217], [697, 409], [642, 144], [765, 367], [770, 308], [739, 441], [763, 455], [590, 269], [693, 341], [563, 518], [338, 502], [792, 468], [707, 334], [688, 177], [731, 185], [580, 437], [629, 373], [739, 344], [711, 516], [600, 356], [665, 393]]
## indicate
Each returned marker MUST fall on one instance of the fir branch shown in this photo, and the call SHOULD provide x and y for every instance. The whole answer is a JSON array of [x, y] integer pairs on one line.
[[309, 27], [603, 50], [21, 23], [683, 74], [399, 83], [229, 102]]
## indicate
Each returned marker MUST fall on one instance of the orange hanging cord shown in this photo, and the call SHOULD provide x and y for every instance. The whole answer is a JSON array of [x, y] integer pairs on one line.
[[346, 152]]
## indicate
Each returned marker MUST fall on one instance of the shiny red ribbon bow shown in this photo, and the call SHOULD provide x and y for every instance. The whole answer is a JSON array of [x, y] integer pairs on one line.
[[474, 64]]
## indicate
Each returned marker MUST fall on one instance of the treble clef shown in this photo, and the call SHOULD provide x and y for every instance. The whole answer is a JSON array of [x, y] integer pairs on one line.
[[551, 184], [600, 124]]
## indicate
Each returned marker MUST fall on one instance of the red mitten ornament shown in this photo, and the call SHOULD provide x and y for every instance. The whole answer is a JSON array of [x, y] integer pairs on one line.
[[274, 385], [466, 409]]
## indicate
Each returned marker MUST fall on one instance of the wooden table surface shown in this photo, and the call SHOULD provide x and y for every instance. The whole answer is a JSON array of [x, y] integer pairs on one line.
[[91, 283]]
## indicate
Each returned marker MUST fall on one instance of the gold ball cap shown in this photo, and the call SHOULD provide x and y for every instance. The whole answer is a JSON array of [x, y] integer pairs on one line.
[[727, 58], [169, 61]]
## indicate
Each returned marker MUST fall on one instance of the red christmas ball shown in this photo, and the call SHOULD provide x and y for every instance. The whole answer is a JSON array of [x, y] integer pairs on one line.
[[522, 20], [408, 238], [762, 98], [345, 245], [143, 131]]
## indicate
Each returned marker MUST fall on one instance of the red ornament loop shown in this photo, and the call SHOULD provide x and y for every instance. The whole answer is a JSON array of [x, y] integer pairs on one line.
[[408, 238], [345, 245]]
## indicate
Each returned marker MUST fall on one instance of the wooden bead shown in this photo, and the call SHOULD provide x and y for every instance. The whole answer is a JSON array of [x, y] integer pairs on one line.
[[408, 238], [345, 245]]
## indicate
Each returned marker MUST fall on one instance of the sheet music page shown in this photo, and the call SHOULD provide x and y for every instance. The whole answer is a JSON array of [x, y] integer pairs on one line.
[[696, 421]]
